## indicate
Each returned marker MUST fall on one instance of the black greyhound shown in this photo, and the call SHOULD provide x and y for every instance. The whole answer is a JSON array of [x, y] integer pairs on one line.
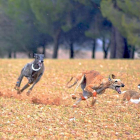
[[33, 71]]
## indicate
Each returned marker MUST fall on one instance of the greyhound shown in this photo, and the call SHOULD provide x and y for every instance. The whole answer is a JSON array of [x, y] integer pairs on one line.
[[93, 83], [33, 72]]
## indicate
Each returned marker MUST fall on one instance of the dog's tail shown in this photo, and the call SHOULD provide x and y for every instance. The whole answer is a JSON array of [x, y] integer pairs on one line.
[[72, 84]]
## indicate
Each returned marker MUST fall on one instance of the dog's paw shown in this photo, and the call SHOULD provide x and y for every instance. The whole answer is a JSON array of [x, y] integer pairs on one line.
[[28, 93], [16, 87], [74, 105], [18, 92], [73, 97]]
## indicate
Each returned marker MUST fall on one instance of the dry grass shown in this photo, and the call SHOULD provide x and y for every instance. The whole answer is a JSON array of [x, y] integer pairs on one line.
[[47, 112]]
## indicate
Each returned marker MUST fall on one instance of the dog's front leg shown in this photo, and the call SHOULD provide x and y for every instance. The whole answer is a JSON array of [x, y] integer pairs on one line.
[[26, 86], [91, 88], [83, 96], [17, 86], [38, 78], [77, 102]]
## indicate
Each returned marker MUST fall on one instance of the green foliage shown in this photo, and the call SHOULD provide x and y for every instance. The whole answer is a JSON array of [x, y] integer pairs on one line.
[[25, 33], [89, 2], [125, 16], [48, 13], [29, 19], [85, 2], [97, 29], [66, 28]]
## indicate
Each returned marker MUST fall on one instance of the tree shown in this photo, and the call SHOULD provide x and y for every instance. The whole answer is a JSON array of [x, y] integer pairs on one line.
[[99, 27], [126, 21], [25, 35], [106, 46], [14, 29], [51, 17], [76, 25], [9, 37]]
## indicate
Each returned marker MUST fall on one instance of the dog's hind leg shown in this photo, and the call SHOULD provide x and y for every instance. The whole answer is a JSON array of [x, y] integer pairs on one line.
[[77, 102], [79, 83], [80, 99], [28, 93], [26, 86], [83, 96]]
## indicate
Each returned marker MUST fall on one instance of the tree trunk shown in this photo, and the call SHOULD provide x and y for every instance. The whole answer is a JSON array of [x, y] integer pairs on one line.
[[33, 54], [105, 48], [113, 44], [10, 54], [29, 55], [132, 52], [119, 46], [14, 54], [93, 48], [71, 50], [56, 43], [44, 51]]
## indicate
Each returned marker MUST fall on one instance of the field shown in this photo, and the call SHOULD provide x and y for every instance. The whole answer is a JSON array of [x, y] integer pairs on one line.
[[47, 114]]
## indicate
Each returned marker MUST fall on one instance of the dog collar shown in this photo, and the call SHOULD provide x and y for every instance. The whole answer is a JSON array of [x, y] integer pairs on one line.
[[34, 68]]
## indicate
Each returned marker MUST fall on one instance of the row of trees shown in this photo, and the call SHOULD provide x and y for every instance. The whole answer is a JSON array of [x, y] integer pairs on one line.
[[26, 25]]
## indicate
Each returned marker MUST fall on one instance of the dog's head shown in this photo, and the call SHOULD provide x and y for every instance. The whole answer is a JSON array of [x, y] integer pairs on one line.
[[115, 84], [39, 59]]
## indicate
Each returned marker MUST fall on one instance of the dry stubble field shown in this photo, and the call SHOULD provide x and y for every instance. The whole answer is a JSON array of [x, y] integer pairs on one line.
[[47, 113]]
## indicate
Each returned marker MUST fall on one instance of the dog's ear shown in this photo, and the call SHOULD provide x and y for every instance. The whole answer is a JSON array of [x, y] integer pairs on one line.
[[43, 55], [34, 55], [112, 76]]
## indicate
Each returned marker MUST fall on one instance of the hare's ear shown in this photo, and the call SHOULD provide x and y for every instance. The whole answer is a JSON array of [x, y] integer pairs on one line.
[[112, 76]]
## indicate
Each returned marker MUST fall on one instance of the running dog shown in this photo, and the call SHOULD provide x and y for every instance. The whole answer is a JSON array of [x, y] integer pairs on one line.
[[93, 83], [132, 96], [33, 72]]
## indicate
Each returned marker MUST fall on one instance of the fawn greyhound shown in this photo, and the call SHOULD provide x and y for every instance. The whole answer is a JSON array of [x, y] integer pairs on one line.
[[33, 72], [92, 83]]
